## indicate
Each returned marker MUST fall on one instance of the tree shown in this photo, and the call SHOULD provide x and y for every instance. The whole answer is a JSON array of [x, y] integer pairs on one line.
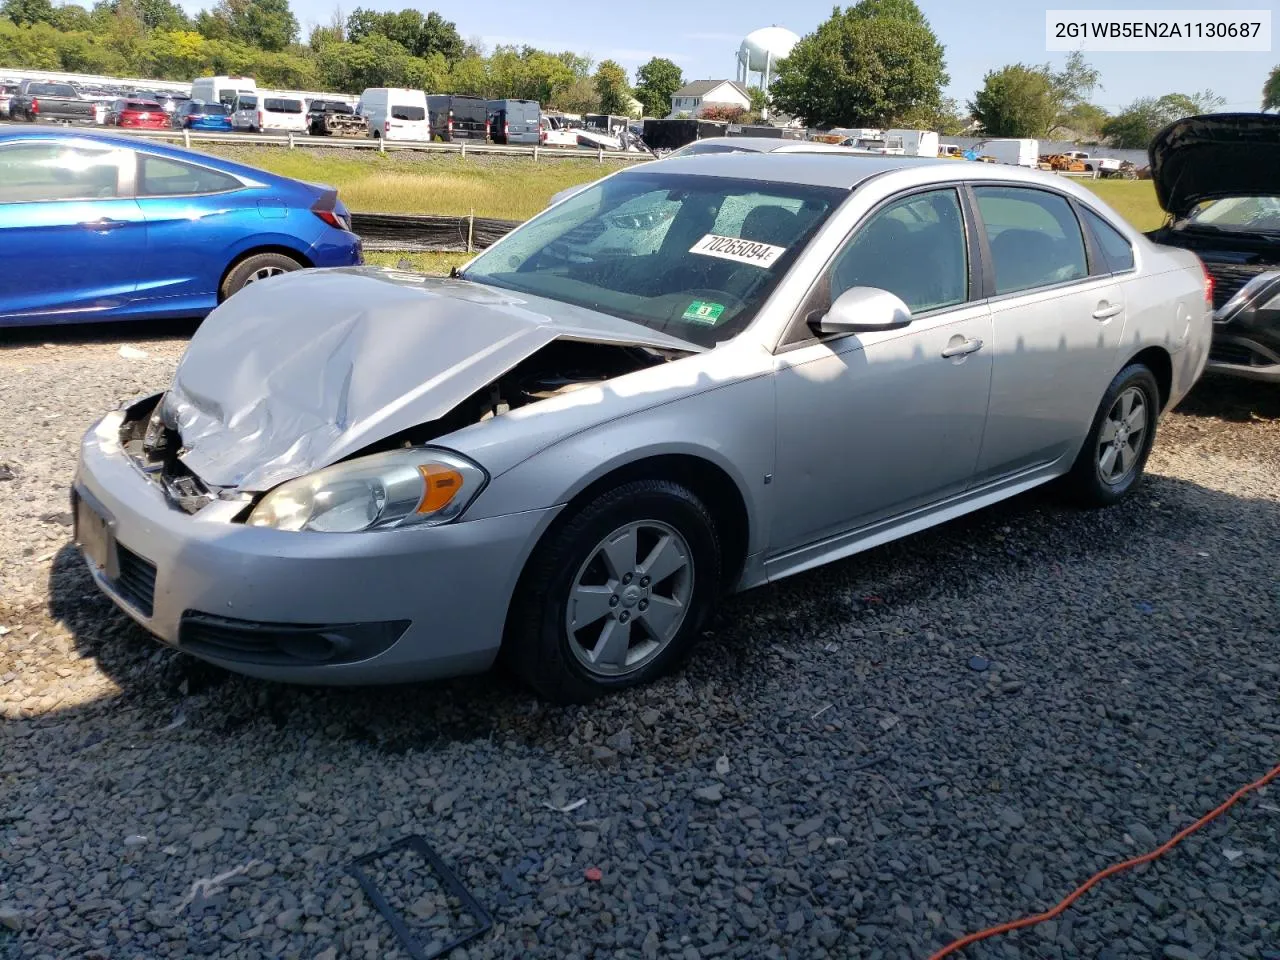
[[868, 65], [1134, 127], [656, 81], [28, 11], [441, 36], [579, 97], [611, 87], [1271, 90], [70, 18], [1084, 120], [266, 24], [162, 15], [945, 118], [1015, 101]]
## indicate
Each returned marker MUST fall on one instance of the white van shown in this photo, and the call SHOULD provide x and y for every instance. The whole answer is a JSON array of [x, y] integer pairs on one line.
[[1020, 153], [224, 90], [396, 114], [269, 111]]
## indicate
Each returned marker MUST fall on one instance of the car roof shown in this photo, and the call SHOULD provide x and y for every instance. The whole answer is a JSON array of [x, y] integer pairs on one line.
[[848, 169], [88, 135], [768, 144]]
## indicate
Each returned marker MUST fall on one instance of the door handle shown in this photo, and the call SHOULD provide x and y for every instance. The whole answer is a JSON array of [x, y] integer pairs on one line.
[[106, 223], [963, 348], [1106, 310]]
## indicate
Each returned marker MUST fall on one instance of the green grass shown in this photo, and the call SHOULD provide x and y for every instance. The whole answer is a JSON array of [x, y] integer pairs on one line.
[[509, 188], [1135, 200]]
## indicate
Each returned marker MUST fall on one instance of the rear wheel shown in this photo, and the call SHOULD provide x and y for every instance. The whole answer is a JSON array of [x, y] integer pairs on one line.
[[615, 597], [260, 266], [1111, 462]]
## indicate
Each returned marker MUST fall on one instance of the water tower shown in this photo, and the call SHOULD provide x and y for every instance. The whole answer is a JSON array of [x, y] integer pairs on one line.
[[761, 51]]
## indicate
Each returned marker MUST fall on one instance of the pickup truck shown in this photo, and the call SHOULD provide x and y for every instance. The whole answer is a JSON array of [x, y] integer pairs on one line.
[[37, 100]]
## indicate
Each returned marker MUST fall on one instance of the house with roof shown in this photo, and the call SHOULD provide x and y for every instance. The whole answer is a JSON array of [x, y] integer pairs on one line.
[[692, 98]]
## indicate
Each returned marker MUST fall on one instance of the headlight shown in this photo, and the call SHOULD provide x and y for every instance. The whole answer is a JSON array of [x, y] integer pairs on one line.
[[398, 488]]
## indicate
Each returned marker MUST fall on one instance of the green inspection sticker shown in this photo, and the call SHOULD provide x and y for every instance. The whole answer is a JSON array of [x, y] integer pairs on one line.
[[700, 311]]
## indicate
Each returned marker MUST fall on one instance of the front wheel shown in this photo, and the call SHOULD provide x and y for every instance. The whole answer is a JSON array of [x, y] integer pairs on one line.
[[615, 596], [1111, 462]]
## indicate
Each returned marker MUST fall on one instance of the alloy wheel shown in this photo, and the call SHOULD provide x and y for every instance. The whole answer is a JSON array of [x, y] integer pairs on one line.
[[1122, 436], [263, 273], [629, 599]]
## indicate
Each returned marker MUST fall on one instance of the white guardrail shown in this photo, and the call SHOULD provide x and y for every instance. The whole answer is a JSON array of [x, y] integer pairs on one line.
[[305, 141]]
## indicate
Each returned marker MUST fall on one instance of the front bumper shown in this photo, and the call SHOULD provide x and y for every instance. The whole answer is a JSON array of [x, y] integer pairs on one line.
[[429, 602], [1246, 346]]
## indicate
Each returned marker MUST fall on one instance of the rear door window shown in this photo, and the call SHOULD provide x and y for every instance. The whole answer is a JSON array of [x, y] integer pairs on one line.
[[274, 105], [36, 172], [408, 113], [1034, 237], [164, 177], [1115, 248]]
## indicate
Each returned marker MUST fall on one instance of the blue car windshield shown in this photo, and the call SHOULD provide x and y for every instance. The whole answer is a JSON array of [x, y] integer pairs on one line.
[[691, 256]]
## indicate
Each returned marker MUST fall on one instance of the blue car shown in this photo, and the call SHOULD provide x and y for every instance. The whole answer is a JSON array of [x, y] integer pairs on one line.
[[198, 115], [101, 227]]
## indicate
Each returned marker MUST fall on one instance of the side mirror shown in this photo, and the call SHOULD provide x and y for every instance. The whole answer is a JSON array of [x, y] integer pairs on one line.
[[862, 310]]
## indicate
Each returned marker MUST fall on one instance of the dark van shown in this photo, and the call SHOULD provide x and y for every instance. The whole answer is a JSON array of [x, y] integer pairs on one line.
[[515, 121], [458, 118]]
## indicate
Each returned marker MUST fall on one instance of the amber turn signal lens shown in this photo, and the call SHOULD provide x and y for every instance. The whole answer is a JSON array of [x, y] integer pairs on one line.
[[441, 485]]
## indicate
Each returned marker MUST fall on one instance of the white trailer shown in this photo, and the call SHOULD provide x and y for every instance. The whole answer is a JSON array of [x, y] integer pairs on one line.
[[916, 143], [1019, 153]]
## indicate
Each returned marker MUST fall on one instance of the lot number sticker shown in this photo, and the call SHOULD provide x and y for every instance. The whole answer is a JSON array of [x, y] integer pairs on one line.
[[700, 311], [743, 251]]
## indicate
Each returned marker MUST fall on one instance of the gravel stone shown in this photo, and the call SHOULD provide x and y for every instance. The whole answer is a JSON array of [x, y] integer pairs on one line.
[[1144, 638]]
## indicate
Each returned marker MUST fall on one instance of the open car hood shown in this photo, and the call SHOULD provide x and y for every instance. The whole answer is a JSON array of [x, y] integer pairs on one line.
[[297, 372], [1214, 156]]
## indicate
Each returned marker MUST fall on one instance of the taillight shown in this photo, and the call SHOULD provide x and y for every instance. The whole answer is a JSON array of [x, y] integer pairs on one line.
[[332, 218], [386, 128], [1208, 284], [259, 119], [506, 130], [35, 105], [449, 125]]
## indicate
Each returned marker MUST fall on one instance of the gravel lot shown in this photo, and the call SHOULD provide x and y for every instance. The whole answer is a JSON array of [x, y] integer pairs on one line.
[[863, 761]]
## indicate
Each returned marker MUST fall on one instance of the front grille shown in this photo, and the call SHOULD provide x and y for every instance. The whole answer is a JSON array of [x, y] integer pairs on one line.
[[1239, 354], [136, 582], [1228, 278]]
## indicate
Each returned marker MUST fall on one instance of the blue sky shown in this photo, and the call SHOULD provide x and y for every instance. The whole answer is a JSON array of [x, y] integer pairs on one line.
[[703, 37]]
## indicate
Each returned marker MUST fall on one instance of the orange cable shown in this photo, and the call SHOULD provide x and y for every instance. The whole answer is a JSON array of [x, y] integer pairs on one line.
[[1103, 874]]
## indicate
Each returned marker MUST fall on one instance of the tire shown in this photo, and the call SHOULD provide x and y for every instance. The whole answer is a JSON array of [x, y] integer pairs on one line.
[[255, 267], [1101, 476], [539, 647]]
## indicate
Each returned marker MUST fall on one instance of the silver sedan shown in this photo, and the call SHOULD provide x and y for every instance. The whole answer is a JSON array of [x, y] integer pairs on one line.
[[694, 377]]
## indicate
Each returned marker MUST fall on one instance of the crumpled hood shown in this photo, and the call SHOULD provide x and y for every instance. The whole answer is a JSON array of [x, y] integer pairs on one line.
[[297, 372], [1214, 156]]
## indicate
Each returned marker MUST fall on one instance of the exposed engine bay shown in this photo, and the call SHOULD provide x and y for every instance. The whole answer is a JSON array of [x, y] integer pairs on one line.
[[560, 367]]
